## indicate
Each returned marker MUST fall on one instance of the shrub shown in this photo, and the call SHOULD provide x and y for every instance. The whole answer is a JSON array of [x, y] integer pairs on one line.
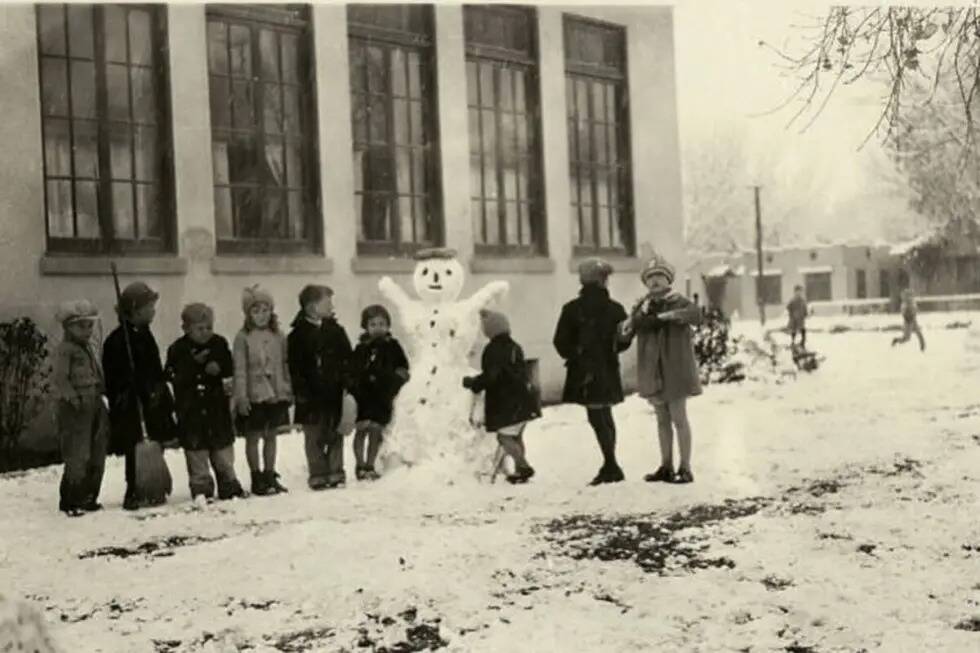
[[714, 347], [23, 382]]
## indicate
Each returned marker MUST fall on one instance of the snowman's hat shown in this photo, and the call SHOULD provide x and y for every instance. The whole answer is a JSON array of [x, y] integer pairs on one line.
[[442, 253]]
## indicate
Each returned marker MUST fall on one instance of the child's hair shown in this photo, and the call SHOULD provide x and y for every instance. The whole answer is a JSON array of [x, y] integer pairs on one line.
[[312, 294], [196, 313], [373, 311], [273, 323]]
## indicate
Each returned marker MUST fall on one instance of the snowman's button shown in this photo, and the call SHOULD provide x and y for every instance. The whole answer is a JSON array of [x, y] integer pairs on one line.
[[452, 333], [432, 324]]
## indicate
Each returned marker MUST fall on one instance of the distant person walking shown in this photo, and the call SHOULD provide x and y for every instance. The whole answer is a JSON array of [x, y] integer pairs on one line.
[[910, 313], [797, 310]]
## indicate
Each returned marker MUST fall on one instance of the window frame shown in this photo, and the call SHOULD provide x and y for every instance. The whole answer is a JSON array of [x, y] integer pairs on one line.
[[501, 58], [861, 280], [281, 19], [165, 200], [777, 285], [589, 73], [424, 45], [810, 282]]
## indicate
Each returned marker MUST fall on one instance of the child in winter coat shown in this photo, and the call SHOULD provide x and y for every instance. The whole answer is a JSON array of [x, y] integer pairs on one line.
[[379, 369], [137, 387], [797, 310], [910, 321], [510, 400], [588, 337], [199, 366], [667, 370], [83, 422], [261, 387], [319, 360]]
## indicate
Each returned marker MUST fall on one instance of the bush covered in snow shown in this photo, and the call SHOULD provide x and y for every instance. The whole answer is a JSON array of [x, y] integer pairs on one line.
[[714, 348]]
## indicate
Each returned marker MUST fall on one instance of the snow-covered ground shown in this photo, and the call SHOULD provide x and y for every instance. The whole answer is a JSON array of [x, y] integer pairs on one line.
[[834, 513]]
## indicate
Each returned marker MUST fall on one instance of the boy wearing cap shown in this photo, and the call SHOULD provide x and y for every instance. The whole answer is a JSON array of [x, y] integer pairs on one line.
[[199, 366], [797, 311], [667, 370], [83, 422], [136, 387], [588, 337]]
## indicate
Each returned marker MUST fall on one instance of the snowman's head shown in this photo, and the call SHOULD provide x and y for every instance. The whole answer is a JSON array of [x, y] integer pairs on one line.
[[438, 276]]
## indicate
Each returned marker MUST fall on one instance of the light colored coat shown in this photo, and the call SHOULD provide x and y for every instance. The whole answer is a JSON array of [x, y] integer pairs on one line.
[[261, 369], [666, 366]]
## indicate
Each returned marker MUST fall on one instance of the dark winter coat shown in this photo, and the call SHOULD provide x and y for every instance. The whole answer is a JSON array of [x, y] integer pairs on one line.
[[797, 310], [123, 388], [379, 368], [510, 398], [666, 366], [588, 338], [203, 410], [319, 367]]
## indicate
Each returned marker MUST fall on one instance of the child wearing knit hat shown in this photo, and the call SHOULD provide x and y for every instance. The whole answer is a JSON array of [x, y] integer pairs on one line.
[[511, 401], [261, 387], [667, 371]]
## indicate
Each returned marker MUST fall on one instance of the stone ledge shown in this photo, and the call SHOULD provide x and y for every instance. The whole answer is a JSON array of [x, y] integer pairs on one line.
[[99, 265], [619, 263], [515, 265], [280, 264], [382, 265]]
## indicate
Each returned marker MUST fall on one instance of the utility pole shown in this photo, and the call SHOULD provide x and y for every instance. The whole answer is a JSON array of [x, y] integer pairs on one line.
[[760, 299]]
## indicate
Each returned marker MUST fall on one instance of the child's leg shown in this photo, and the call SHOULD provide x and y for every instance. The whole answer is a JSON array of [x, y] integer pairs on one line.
[[316, 460], [602, 423], [513, 449], [199, 473], [100, 445], [375, 438], [269, 450], [360, 439], [252, 451], [75, 450], [678, 416], [665, 434], [223, 463], [918, 333], [803, 337]]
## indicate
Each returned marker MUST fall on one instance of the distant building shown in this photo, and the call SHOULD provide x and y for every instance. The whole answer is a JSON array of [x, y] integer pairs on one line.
[[945, 262]]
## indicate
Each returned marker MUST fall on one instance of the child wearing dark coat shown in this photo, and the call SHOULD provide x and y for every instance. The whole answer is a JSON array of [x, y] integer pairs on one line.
[[510, 401], [589, 338], [319, 360], [379, 368], [82, 419], [199, 366], [667, 370], [138, 387], [910, 321], [797, 311]]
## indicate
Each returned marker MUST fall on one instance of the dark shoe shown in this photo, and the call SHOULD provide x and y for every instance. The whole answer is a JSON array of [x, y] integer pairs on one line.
[[277, 487], [370, 474], [516, 479], [684, 476], [359, 472], [608, 475], [317, 483], [663, 474], [130, 502], [336, 480], [74, 512], [260, 484], [92, 506], [525, 473], [231, 490]]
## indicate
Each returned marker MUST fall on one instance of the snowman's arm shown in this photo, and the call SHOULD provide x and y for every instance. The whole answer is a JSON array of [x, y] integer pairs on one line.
[[397, 297], [487, 294]]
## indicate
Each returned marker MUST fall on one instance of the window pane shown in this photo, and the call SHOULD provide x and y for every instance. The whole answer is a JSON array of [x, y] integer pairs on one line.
[[379, 172], [297, 219], [120, 154], [584, 142], [115, 33], [573, 141], [241, 105], [376, 70], [219, 160], [54, 87], [148, 211], [474, 131], [83, 89], [147, 159], [523, 181], [86, 149], [144, 95], [508, 139], [379, 121], [489, 133], [604, 234], [274, 165], [599, 102], [218, 48], [273, 221], [401, 122], [360, 168], [404, 171], [520, 82], [418, 128], [476, 177], [247, 210], [290, 58], [117, 82], [570, 106], [617, 227], [399, 86], [486, 86], [220, 102], [51, 27], [374, 216], [523, 147], [611, 103], [599, 132], [612, 141], [222, 212], [414, 75], [510, 183], [418, 172], [476, 215], [269, 54], [472, 84], [493, 223], [272, 110], [506, 89], [526, 233], [124, 225], [80, 31], [57, 148], [242, 161], [423, 221], [512, 236], [294, 165], [241, 51], [405, 221], [140, 37], [293, 115], [358, 67], [87, 209], [489, 178], [582, 99], [59, 209], [359, 118]]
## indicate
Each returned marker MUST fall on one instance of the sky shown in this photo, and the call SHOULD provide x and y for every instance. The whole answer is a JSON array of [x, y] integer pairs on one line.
[[725, 80]]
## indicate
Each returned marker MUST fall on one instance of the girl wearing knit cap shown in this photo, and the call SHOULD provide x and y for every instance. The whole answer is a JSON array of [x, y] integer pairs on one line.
[[261, 387], [511, 401], [667, 370], [588, 337]]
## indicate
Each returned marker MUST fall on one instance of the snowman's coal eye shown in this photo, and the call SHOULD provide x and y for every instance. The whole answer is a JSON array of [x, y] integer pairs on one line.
[[425, 272], [449, 272]]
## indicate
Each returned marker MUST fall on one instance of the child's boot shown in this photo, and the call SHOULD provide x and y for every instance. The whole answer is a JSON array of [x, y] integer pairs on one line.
[[274, 485], [231, 490], [130, 502], [260, 484], [684, 475], [664, 474]]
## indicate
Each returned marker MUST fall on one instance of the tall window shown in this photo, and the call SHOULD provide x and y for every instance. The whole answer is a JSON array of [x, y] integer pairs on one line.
[[393, 118], [263, 129], [104, 94], [884, 283], [818, 286], [597, 99], [770, 288], [862, 284], [502, 97]]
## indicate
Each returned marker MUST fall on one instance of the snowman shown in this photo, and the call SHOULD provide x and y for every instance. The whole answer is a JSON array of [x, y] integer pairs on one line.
[[432, 421]]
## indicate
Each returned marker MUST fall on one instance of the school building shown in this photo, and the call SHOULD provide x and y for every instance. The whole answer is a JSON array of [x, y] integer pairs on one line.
[[204, 148]]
